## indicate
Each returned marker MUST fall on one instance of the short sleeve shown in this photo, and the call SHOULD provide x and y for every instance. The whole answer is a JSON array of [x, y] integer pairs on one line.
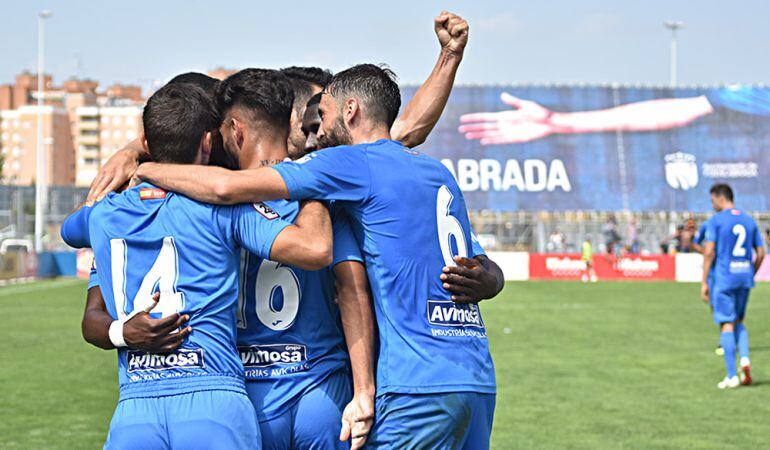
[[476, 248], [711, 232], [339, 173], [93, 278], [255, 227], [346, 247], [74, 230]]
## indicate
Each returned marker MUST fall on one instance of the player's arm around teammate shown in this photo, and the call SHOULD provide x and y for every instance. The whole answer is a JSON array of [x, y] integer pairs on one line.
[[140, 332], [473, 280]]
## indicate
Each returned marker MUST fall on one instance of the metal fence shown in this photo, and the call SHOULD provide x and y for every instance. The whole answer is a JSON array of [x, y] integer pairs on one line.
[[498, 231], [17, 212]]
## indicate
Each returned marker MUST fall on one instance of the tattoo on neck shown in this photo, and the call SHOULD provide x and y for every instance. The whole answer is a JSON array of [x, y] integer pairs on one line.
[[269, 162]]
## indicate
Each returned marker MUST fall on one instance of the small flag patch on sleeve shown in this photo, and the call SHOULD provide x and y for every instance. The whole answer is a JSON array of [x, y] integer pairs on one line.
[[152, 194]]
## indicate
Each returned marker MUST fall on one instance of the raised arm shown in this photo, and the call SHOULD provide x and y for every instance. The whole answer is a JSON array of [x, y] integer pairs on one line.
[[358, 325], [424, 109], [215, 184]]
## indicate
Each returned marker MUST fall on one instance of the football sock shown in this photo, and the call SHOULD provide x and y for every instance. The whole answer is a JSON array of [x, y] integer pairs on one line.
[[727, 338], [742, 339]]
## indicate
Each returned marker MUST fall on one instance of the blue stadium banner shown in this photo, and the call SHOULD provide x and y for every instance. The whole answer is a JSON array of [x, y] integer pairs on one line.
[[605, 148]]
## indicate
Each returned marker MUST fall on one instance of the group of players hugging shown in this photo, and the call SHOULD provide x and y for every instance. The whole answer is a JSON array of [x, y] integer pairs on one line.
[[278, 268]]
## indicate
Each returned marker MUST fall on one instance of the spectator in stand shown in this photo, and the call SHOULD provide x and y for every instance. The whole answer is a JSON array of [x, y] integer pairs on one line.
[[633, 236], [556, 242], [686, 237], [610, 232]]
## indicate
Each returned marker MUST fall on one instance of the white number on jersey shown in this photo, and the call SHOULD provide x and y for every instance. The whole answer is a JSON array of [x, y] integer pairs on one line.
[[448, 227], [740, 232], [272, 276], [163, 274]]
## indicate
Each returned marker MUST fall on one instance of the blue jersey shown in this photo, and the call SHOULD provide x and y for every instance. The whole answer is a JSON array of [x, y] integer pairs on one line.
[[735, 235], [289, 331], [147, 240], [409, 216]]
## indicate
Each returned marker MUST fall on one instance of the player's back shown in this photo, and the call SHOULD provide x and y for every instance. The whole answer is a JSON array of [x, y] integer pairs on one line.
[[410, 226], [289, 332], [147, 240], [735, 235]]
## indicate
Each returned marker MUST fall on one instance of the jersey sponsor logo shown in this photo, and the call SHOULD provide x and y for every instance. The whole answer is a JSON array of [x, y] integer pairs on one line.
[[138, 361], [152, 194], [450, 314], [261, 356], [740, 266], [266, 211]]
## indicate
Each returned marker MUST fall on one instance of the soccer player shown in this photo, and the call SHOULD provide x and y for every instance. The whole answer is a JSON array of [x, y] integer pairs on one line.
[[435, 377], [148, 240], [697, 245], [731, 236], [292, 344], [142, 331], [588, 259]]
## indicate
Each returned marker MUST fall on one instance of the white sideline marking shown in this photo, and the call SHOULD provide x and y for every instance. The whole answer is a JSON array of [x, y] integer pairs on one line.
[[37, 286]]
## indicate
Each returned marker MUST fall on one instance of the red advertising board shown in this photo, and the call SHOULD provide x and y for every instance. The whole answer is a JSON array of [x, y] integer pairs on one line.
[[568, 266]]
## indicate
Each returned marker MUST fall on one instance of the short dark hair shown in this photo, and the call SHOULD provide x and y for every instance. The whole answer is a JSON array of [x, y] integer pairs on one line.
[[374, 86], [203, 81], [265, 93], [314, 75], [175, 119], [722, 190], [303, 90]]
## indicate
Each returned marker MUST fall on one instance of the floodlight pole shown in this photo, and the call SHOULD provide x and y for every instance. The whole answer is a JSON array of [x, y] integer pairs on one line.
[[674, 27], [40, 173]]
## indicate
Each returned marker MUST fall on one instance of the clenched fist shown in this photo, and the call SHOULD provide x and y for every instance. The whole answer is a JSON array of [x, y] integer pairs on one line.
[[452, 32]]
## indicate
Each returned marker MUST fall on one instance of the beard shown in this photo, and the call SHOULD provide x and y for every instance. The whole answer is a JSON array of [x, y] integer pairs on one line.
[[338, 135]]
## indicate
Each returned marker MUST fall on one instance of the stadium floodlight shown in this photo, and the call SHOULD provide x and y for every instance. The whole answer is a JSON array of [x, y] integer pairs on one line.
[[41, 184], [674, 26]]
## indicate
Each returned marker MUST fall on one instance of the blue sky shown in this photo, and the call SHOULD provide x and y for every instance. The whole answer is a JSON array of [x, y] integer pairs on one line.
[[510, 41]]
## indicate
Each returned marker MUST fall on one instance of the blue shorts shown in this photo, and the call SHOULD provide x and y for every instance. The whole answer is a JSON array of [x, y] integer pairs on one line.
[[313, 422], [196, 420], [729, 304], [454, 420]]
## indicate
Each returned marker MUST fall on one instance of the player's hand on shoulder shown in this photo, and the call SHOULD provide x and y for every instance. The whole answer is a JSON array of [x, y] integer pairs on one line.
[[357, 420], [118, 170], [142, 332], [468, 281], [452, 32]]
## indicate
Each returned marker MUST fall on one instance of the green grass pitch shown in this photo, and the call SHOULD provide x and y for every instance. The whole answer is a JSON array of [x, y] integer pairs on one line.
[[607, 365]]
